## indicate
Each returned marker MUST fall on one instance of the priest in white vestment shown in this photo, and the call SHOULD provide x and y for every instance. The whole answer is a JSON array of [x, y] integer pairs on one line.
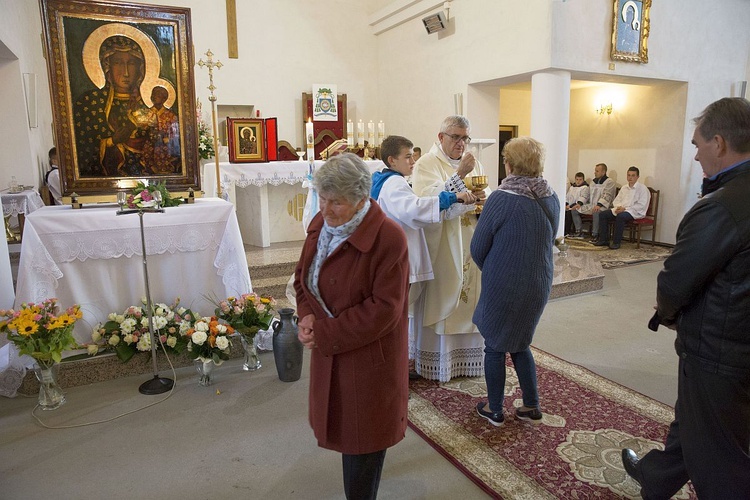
[[413, 213], [447, 343]]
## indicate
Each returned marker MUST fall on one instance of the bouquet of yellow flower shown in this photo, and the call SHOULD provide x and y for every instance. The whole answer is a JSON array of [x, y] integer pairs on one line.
[[248, 314], [209, 340], [41, 331], [128, 333]]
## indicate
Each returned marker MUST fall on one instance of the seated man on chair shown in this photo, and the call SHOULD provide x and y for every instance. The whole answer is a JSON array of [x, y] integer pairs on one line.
[[631, 203]]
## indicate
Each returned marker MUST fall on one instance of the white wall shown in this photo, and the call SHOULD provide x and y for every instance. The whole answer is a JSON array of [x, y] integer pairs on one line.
[[24, 150], [408, 78]]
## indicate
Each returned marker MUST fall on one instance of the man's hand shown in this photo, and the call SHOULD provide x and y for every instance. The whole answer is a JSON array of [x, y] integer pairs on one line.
[[596, 208], [618, 210], [466, 165], [305, 332], [466, 197]]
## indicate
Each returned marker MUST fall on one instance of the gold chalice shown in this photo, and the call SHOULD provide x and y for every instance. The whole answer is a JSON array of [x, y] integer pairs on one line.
[[479, 182]]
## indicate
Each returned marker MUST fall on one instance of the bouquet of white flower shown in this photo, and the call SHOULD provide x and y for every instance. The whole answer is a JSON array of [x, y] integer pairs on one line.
[[209, 340], [128, 333]]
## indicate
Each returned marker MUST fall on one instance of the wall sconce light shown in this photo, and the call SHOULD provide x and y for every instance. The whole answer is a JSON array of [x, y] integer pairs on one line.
[[439, 21], [604, 107]]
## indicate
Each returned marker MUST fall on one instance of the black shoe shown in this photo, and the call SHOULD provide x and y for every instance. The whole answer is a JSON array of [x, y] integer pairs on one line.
[[533, 415], [413, 375], [630, 463], [496, 418], [614, 246], [600, 243]]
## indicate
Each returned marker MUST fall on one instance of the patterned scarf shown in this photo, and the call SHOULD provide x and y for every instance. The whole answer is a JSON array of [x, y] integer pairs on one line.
[[329, 240], [523, 185]]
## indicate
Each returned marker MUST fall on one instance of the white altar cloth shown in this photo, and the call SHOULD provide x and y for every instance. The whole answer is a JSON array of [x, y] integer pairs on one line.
[[24, 202], [92, 257], [259, 208]]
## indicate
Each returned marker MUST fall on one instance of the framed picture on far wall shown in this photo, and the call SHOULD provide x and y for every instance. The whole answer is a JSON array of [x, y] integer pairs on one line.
[[123, 101], [631, 24], [251, 139]]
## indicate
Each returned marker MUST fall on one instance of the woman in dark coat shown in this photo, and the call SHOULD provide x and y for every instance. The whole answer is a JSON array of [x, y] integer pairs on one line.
[[352, 297], [512, 245]]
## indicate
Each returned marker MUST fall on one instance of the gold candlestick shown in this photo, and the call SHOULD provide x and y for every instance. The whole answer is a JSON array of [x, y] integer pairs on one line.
[[210, 64]]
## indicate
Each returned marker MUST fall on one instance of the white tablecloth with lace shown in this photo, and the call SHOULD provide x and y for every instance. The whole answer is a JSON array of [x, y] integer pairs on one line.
[[260, 174], [92, 257], [24, 202]]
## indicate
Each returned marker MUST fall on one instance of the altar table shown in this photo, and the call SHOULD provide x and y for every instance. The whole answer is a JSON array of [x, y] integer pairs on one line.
[[20, 204], [92, 257], [259, 208]]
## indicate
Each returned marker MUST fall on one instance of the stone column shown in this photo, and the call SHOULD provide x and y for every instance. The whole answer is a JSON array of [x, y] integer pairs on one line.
[[550, 118]]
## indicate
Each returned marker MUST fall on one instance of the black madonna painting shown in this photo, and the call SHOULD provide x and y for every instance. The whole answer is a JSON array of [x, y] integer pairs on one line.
[[123, 99]]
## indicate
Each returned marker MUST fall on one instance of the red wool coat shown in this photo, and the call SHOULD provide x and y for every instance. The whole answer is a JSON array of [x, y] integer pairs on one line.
[[359, 369]]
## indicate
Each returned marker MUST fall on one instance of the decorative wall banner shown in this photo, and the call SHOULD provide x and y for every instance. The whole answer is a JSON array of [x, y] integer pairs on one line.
[[123, 100], [630, 28], [325, 108]]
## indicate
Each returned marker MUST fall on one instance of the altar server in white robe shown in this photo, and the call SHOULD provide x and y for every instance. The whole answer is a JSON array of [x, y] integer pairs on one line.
[[448, 344], [399, 202]]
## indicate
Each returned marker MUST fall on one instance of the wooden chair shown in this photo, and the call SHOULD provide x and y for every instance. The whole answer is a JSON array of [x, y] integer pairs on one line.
[[648, 222], [287, 152]]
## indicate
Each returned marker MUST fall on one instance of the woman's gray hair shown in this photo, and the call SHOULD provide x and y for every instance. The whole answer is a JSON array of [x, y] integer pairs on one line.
[[455, 121], [525, 156], [345, 176]]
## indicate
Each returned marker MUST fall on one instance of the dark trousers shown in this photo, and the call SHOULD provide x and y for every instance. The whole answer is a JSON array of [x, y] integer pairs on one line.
[[708, 442], [605, 217], [362, 475]]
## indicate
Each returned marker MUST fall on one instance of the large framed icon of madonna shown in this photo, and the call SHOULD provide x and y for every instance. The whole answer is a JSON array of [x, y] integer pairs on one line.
[[123, 100]]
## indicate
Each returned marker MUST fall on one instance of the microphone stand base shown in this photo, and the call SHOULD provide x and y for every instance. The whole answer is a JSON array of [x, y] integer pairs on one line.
[[156, 385]]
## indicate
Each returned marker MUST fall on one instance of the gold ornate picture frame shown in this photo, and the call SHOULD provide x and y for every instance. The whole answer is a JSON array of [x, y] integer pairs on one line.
[[631, 24], [246, 140], [123, 99]]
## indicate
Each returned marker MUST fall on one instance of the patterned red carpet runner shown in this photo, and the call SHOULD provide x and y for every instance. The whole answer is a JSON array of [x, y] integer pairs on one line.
[[573, 453]]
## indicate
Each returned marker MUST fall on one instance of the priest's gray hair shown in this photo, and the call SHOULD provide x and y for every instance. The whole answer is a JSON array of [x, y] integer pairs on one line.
[[455, 121], [345, 176]]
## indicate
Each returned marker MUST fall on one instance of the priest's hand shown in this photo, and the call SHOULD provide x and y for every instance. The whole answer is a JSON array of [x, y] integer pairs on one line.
[[466, 165], [480, 196], [466, 197], [305, 331]]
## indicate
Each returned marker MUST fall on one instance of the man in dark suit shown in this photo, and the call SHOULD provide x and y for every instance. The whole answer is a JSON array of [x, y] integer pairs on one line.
[[703, 292]]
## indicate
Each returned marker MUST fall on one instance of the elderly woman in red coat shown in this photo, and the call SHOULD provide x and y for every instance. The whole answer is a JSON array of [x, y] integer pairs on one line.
[[352, 299]]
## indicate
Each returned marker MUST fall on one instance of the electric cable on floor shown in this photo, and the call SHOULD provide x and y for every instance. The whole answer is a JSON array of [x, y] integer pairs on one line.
[[169, 394]]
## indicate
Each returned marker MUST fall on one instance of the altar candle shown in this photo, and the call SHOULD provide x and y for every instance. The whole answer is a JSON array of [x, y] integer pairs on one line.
[[371, 134], [310, 136], [350, 134], [361, 134], [381, 132]]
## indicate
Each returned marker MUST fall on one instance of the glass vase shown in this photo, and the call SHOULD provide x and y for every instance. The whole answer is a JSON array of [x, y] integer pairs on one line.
[[51, 397], [250, 345], [206, 370]]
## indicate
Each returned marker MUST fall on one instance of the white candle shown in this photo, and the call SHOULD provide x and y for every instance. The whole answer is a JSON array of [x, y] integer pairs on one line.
[[381, 132], [361, 134], [350, 134], [371, 134], [310, 138]]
